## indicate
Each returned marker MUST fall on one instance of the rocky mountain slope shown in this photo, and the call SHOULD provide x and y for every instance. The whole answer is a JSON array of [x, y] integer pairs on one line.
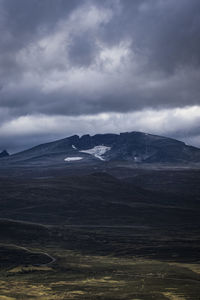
[[135, 147]]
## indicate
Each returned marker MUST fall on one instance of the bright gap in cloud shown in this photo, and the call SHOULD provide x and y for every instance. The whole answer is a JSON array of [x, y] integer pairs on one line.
[[180, 123]]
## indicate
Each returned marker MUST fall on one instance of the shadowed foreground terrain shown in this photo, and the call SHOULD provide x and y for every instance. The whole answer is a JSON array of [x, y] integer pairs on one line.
[[116, 233]]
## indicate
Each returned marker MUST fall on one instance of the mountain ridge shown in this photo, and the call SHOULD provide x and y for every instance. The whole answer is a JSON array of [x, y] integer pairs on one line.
[[135, 147]]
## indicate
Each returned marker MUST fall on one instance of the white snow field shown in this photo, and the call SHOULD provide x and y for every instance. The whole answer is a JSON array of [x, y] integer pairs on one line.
[[97, 151], [73, 158]]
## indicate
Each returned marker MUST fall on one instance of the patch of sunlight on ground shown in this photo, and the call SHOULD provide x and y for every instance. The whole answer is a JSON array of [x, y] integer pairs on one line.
[[23, 288], [6, 298], [90, 281], [172, 296], [73, 294], [21, 269]]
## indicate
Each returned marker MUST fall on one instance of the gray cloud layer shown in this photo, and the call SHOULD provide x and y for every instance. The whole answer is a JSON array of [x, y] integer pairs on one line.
[[74, 58]]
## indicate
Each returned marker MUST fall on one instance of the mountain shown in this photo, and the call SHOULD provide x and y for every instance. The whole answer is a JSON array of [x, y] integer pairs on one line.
[[4, 153], [134, 147]]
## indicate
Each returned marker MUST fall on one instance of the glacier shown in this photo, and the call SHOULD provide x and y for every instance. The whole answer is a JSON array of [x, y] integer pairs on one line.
[[97, 151]]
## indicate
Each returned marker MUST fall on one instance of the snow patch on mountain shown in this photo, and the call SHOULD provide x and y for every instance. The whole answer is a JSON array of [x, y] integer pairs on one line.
[[73, 158], [74, 147], [97, 151]]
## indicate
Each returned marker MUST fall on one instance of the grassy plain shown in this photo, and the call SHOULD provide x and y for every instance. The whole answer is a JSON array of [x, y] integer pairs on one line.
[[99, 237]]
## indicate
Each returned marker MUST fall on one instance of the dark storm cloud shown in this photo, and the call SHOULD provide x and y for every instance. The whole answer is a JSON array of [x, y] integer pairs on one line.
[[82, 51], [24, 17], [74, 58], [163, 35], [24, 21]]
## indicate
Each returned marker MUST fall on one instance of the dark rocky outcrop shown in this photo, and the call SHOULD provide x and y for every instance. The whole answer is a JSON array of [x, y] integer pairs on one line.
[[4, 153]]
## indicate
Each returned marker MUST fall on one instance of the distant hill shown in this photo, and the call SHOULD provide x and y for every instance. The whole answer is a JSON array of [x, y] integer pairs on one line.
[[135, 147]]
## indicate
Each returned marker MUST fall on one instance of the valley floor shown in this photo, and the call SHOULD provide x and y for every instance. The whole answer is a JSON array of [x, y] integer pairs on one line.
[[78, 276], [101, 237]]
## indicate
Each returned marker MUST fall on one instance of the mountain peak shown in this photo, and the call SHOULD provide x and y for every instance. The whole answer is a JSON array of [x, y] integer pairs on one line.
[[134, 147]]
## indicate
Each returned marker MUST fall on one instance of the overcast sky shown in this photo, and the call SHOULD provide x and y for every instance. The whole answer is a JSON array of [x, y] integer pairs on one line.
[[76, 66]]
